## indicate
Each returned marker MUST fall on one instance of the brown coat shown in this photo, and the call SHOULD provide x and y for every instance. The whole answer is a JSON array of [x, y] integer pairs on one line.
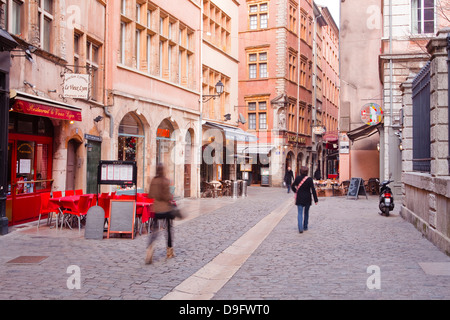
[[160, 192]]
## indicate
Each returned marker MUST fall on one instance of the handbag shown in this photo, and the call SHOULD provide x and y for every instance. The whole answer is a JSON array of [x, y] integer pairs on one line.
[[175, 213]]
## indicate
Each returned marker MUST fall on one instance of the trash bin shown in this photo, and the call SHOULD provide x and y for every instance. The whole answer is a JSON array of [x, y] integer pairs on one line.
[[234, 189], [244, 188]]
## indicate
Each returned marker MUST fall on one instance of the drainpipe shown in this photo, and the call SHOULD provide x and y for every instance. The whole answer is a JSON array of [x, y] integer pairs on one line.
[[111, 121], [200, 117], [391, 94], [105, 78]]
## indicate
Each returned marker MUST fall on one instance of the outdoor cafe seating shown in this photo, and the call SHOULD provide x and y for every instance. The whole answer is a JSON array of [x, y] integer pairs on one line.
[[72, 208]]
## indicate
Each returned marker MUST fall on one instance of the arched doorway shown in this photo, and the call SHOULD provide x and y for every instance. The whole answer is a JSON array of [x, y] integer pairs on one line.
[[131, 145], [289, 160], [187, 164], [72, 163], [299, 163], [165, 147]]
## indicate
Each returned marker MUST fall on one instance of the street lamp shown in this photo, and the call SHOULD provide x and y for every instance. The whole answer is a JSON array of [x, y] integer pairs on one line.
[[219, 91]]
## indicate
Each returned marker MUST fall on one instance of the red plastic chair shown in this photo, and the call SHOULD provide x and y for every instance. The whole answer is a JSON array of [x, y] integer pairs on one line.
[[78, 192], [104, 201], [79, 210], [45, 209], [69, 193], [56, 194]]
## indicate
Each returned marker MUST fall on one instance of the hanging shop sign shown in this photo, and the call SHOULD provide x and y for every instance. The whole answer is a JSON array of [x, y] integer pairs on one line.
[[371, 114], [318, 130], [76, 86]]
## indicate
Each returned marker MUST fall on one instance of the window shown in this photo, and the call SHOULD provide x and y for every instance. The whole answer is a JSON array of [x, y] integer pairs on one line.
[[14, 16], [257, 65], [303, 72], [157, 43], [217, 26], [303, 25], [292, 17], [149, 50], [257, 109], [258, 16], [252, 121], [215, 109], [422, 16], [137, 49], [76, 52], [292, 66], [45, 15], [122, 42], [262, 121], [252, 71], [123, 7], [92, 64]]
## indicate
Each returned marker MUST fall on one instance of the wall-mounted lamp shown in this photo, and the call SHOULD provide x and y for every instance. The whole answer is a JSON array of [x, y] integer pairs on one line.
[[138, 112], [219, 91], [32, 86], [227, 117], [98, 119], [25, 53], [88, 147]]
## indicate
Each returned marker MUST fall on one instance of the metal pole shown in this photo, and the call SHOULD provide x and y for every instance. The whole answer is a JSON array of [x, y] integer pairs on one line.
[[7, 43], [4, 119], [448, 97]]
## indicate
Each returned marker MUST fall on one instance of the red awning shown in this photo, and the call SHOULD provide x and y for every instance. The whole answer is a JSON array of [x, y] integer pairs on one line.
[[38, 106]]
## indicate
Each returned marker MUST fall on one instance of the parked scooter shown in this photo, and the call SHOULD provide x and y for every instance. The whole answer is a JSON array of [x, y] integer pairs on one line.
[[386, 202]]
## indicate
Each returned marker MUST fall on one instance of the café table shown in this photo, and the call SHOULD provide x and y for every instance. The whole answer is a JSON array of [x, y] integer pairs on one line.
[[217, 187], [144, 212], [66, 202]]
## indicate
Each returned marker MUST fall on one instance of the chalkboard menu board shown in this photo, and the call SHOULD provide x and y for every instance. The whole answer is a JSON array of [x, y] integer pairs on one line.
[[265, 173], [356, 188], [122, 217]]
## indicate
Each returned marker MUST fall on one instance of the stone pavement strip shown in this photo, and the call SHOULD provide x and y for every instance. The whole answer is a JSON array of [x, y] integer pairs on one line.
[[248, 248]]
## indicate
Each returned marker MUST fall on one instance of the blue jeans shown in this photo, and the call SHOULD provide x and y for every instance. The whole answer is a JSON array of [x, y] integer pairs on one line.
[[288, 188], [303, 223]]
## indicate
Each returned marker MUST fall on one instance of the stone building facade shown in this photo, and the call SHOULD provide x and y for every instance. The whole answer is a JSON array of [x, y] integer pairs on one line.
[[426, 194]]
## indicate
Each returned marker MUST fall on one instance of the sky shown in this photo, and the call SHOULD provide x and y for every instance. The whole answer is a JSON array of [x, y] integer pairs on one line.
[[333, 7]]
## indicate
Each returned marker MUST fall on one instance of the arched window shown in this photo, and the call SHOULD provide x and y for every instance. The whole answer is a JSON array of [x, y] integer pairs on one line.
[[131, 144], [165, 144]]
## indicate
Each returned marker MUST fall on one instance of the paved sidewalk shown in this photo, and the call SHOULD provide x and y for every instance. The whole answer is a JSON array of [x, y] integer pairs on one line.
[[329, 261]]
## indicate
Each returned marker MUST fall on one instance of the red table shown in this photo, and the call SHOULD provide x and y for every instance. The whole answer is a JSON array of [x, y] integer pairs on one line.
[[144, 209], [68, 202]]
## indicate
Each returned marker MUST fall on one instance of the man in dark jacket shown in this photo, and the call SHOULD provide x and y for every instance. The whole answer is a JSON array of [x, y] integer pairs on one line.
[[304, 186], [288, 177]]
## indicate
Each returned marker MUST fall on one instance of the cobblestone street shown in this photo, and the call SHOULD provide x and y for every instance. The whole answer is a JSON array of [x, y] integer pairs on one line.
[[245, 248]]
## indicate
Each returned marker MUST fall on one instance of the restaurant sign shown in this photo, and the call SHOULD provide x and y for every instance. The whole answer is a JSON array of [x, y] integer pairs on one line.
[[76, 86], [295, 138], [43, 110]]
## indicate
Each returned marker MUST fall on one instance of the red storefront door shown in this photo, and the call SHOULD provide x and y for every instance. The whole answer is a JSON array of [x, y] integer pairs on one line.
[[30, 174]]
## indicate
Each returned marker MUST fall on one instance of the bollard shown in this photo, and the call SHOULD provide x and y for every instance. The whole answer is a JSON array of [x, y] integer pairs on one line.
[[234, 189], [244, 188]]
